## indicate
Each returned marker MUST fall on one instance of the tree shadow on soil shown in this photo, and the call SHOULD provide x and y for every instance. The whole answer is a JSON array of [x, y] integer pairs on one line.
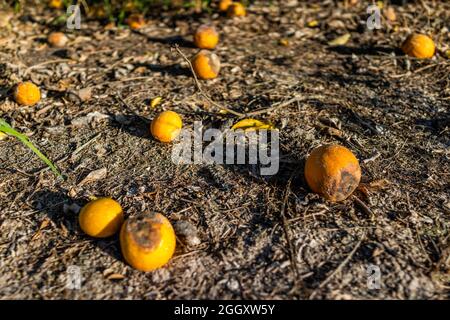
[[53, 203]]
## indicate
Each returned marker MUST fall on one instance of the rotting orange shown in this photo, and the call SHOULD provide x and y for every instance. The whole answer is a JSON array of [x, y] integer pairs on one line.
[[147, 242], [57, 39], [27, 94], [135, 21], [419, 46], [206, 65], [332, 171], [236, 9], [166, 126], [206, 37], [101, 218]]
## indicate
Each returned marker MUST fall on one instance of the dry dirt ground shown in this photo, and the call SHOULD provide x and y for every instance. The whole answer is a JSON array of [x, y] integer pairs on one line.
[[261, 237]]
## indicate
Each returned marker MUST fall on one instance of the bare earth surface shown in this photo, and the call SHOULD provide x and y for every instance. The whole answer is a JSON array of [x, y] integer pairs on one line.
[[261, 237]]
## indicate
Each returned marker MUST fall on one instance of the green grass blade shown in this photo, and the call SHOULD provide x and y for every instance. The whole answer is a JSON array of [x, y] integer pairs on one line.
[[6, 128]]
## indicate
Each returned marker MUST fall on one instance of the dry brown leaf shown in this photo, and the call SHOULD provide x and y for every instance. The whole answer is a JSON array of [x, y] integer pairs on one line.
[[94, 176]]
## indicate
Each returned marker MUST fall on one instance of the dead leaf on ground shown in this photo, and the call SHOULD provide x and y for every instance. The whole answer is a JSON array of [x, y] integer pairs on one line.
[[94, 176]]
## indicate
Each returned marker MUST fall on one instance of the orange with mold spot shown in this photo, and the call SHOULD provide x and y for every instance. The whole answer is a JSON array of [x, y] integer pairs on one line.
[[206, 37], [57, 39], [101, 218], [332, 171], [147, 242], [135, 21], [166, 126], [206, 65]]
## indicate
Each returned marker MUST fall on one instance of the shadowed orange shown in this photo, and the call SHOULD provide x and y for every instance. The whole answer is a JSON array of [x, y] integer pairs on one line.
[[224, 4], [206, 37], [135, 21], [166, 126], [147, 242], [236, 9], [332, 171], [419, 46], [27, 94], [206, 65], [101, 218]]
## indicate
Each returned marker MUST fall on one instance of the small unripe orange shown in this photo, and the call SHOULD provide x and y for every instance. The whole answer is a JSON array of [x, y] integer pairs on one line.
[[135, 21], [332, 171], [206, 65], [224, 4], [147, 242], [27, 94], [55, 4], [166, 126], [101, 218], [236, 9], [206, 37], [418, 46], [57, 39]]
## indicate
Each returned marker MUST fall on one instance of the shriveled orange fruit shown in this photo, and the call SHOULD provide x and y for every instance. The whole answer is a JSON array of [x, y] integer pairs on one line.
[[135, 21], [419, 46], [206, 65], [333, 172], [101, 218], [236, 9], [147, 242], [224, 4], [166, 126], [206, 37], [57, 39], [27, 94]]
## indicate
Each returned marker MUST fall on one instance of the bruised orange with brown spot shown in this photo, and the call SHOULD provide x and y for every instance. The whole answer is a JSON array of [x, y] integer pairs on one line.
[[147, 242], [332, 171], [206, 65], [206, 37], [236, 9], [419, 46]]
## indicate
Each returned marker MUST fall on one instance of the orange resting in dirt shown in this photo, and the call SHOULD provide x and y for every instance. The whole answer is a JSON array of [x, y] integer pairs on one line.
[[135, 21], [57, 39], [55, 4], [333, 172], [147, 242], [419, 46], [27, 94], [206, 65], [206, 37], [101, 218], [224, 4], [236, 9], [166, 126]]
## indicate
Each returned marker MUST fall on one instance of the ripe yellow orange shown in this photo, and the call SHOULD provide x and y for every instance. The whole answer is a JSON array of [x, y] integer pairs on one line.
[[206, 37], [332, 171], [147, 242], [57, 39], [135, 21], [166, 126], [101, 218], [206, 65], [236, 9], [27, 94], [419, 46], [55, 4]]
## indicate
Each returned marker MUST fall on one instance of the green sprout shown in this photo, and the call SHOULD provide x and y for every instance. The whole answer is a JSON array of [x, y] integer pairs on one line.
[[6, 128]]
